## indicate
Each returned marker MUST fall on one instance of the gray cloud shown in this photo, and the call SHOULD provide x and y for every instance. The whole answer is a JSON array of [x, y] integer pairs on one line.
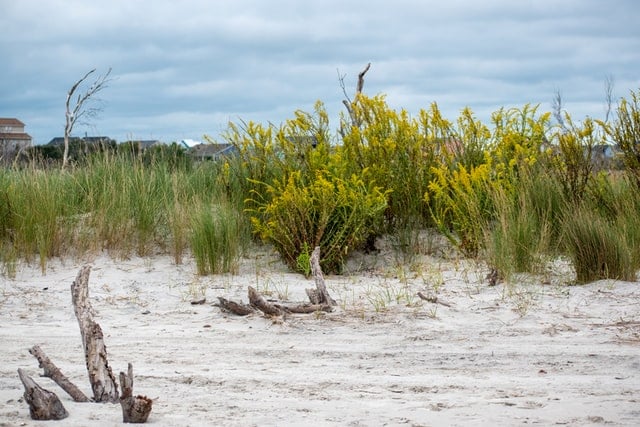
[[184, 69]]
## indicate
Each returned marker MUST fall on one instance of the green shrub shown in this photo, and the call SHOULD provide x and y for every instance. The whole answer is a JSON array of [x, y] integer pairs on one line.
[[625, 132], [461, 204], [327, 211], [398, 153], [573, 164]]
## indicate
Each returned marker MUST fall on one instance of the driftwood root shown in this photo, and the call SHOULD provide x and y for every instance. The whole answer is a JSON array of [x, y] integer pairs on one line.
[[43, 404], [135, 409]]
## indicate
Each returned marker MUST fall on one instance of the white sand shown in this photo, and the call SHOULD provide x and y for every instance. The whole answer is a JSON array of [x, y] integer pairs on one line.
[[544, 354]]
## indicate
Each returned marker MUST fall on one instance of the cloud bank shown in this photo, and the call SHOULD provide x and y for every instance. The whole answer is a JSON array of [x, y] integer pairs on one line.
[[185, 69]]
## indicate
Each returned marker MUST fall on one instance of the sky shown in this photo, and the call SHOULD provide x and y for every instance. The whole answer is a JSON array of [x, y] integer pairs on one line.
[[184, 69]]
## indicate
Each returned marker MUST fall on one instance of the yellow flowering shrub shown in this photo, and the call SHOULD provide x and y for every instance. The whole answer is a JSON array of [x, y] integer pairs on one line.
[[461, 204], [324, 210]]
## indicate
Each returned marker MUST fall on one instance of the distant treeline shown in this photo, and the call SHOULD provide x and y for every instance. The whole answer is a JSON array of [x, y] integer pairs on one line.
[[81, 151]]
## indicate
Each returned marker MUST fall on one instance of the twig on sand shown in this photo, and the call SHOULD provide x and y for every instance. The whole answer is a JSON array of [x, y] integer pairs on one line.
[[433, 299]]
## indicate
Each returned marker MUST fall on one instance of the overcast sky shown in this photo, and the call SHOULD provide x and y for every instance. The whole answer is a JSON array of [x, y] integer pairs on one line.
[[182, 69]]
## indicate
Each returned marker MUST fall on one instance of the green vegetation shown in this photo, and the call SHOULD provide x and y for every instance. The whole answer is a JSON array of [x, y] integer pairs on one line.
[[516, 193]]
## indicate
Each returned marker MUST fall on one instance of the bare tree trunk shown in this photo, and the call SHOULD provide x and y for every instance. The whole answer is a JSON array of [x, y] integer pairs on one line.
[[52, 371], [134, 409], [43, 404], [103, 383]]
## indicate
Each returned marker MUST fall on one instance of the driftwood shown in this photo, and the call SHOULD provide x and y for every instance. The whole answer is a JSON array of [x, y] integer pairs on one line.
[[43, 404], [271, 309], [320, 295], [234, 307], [134, 409], [103, 383], [52, 371], [304, 308], [258, 301], [433, 299]]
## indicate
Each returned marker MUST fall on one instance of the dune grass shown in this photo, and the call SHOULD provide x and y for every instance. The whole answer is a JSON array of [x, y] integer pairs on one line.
[[114, 203]]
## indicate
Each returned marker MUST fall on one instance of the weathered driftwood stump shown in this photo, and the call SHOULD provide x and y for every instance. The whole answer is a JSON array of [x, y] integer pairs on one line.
[[319, 295], [134, 409], [52, 371], [103, 383], [43, 404]]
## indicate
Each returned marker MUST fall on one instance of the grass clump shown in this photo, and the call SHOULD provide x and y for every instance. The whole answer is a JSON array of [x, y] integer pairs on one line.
[[215, 238], [597, 248]]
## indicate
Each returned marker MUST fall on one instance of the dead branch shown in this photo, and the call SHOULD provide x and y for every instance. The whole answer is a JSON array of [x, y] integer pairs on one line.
[[361, 78], [134, 409], [256, 300], [348, 103], [52, 371], [234, 307], [43, 404], [433, 299], [320, 295], [103, 383]]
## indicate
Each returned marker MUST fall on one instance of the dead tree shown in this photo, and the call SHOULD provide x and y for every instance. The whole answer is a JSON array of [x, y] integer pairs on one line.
[[43, 404], [134, 409], [103, 383], [80, 109], [348, 103], [52, 371]]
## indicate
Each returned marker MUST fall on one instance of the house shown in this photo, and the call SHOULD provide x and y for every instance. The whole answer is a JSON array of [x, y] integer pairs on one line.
[[189, 143], [212, 151], [13, 138]]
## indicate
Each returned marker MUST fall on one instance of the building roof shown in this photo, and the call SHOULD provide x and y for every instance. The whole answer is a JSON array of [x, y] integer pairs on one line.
[[4, 121], [211, 151], [15, 136]]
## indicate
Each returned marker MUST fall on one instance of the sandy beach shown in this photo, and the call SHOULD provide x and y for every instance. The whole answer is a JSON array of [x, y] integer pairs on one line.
[[537, 352]]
